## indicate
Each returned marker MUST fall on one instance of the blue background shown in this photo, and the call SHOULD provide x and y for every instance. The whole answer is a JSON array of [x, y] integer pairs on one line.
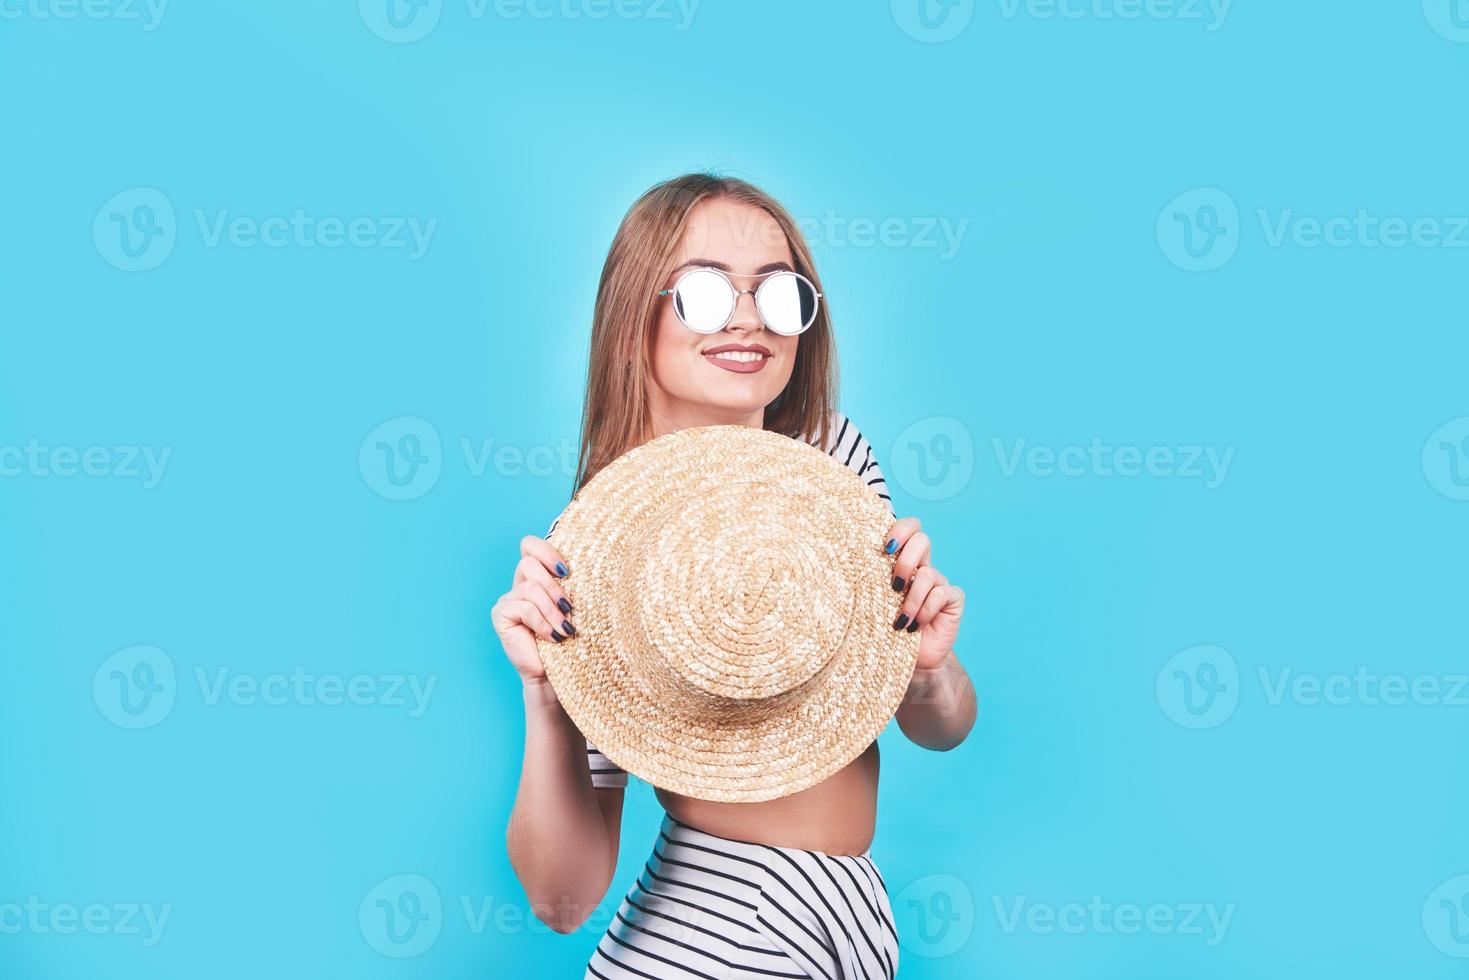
[[1334, 541]]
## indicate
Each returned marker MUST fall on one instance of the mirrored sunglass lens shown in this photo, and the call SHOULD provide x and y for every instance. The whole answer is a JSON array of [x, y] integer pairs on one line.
[[788, 303], [703, 300]]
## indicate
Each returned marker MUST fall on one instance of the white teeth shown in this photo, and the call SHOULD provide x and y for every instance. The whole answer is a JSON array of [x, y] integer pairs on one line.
[[739, 355]]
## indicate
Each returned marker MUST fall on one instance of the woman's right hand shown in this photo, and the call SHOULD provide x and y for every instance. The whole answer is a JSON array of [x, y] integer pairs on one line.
[[535, 606]]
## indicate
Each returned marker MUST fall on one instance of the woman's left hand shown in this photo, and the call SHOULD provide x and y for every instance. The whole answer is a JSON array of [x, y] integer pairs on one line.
[[933, 604]]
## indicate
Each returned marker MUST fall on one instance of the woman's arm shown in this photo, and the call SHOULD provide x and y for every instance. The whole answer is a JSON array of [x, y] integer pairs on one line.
[[563, 832], [940, 707]]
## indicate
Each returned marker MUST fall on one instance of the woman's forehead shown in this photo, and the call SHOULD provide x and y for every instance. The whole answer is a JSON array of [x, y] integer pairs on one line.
[[742, 236]]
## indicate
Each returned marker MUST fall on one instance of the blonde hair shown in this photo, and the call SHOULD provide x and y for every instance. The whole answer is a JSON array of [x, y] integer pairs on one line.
[[616, 415]]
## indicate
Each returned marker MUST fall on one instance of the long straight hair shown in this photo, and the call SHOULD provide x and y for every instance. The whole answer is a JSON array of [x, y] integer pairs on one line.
[[616, 415]]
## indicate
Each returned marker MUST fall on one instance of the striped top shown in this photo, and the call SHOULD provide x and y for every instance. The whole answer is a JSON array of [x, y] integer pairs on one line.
[[711, 908], [844, 442]]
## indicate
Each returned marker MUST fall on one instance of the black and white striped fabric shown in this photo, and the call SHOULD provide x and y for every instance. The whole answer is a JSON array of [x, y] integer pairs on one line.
[[844, 442], [717, 909]]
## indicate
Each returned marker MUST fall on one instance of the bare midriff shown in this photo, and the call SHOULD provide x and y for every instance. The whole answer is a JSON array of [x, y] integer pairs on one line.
[[836, 816]]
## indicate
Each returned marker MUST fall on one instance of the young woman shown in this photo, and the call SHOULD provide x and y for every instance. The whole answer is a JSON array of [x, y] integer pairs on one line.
[[783, 888]]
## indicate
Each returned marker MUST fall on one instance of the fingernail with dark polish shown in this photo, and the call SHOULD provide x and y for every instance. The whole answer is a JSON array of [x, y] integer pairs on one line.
[[892, 545], [560, 569], [901, 621], [566, 625], [913, 626], [563, 605], [557, 636], [897, 584]]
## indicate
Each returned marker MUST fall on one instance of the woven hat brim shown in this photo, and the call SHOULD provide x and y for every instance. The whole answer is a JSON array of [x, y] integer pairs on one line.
[[773, 484]]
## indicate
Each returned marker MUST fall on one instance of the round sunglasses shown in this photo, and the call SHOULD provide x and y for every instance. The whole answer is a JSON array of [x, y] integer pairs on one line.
[[705, 299]]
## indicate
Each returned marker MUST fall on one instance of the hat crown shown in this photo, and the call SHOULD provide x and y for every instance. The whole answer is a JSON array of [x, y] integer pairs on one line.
[[735, 637], [760, 615]]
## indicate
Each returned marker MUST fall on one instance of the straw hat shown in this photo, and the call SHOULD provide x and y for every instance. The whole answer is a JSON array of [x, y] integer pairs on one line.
[[734, 614]]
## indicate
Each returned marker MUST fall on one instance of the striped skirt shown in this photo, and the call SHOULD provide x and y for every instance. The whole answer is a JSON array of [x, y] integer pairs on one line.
[[720, 909]]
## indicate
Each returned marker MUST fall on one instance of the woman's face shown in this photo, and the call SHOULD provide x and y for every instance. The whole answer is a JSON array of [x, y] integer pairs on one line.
[[691, 383]]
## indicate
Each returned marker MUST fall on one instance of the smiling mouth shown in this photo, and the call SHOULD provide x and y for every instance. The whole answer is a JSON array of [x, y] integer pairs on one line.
[[738, 360], [739, 356]]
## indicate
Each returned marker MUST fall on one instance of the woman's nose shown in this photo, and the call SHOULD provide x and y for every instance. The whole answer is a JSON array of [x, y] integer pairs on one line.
[[746, 314]]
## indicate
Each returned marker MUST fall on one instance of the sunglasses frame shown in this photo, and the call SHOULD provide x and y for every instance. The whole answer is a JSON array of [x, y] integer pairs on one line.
[[737, 293]]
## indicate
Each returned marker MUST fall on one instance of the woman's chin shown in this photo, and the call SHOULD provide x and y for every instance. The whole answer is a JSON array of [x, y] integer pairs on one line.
[[725, 405]]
